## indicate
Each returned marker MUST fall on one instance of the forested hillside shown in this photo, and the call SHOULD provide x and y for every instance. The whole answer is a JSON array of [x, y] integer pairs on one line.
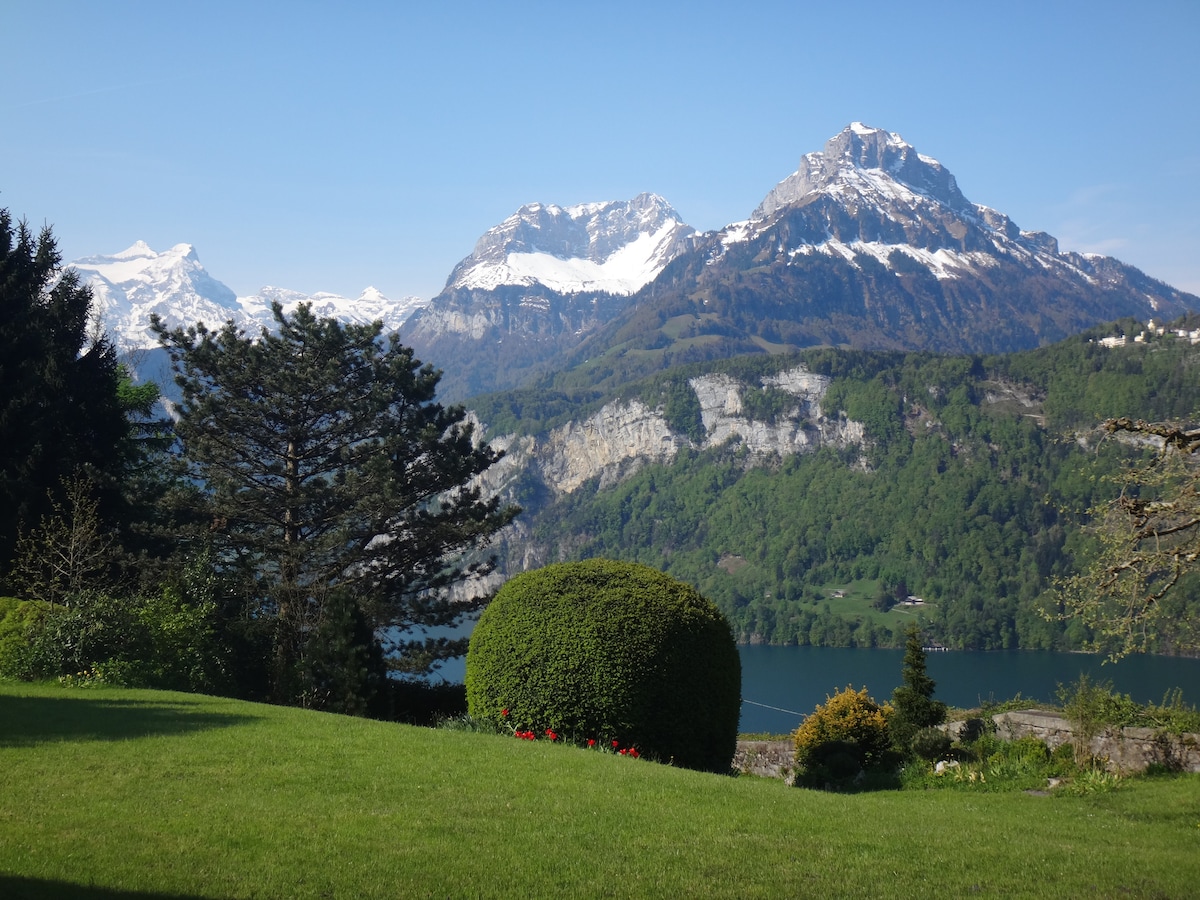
[[969, 493]]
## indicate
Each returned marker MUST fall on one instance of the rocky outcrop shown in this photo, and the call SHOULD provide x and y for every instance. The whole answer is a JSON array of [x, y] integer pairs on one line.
[[611, 444], [802, 429], [616, 441]]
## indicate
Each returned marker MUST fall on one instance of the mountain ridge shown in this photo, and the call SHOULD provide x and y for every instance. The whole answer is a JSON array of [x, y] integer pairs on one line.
[[868, 244]]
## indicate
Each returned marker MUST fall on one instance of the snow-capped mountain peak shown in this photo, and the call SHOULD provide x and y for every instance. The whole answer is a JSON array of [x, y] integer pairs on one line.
[[130, 286], [138, 282], [872, 204], [869, 162], [616, 247]]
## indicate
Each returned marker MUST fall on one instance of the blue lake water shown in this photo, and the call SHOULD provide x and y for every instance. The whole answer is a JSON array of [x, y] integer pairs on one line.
[[794, 680], [780, 685]]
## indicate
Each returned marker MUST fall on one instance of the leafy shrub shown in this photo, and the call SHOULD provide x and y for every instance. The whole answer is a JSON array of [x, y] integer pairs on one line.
[[930, 743], [610, 651], [1172, 715], [1090, 706], [19, 621], [848, 725], [155, 641]]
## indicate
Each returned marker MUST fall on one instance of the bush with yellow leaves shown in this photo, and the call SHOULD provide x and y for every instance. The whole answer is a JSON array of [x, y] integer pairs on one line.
[[844, 738]]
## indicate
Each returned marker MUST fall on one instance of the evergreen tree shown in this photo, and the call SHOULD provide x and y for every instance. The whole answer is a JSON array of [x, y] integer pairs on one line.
[[59, 408], [913, 701], [331, 472]]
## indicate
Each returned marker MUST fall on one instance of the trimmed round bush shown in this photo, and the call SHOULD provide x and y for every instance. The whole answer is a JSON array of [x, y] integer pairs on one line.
[[609, 651]]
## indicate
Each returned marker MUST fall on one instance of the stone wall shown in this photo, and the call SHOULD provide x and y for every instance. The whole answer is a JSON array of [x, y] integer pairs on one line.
[[1126, 749], [767, 759]]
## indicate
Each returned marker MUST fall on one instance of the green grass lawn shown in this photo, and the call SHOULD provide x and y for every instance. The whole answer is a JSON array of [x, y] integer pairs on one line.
[[107, 792]]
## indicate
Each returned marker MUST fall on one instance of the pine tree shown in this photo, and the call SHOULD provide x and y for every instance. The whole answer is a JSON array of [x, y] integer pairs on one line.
[[332, 472], [913, 701], [59, 409]]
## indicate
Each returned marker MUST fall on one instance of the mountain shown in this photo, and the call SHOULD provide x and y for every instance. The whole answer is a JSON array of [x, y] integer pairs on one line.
[[868, 244], [616, 247], [132, 285], [538, 281], [369, 306]]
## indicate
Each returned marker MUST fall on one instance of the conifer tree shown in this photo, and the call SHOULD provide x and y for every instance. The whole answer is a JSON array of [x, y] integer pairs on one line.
[[59, 409], [913, 701], [332, 472]]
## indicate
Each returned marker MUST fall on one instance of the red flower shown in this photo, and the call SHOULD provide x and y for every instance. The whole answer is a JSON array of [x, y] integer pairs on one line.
[[616, 743], [550, 734], [504, 712], [591, 742], [634, 753]]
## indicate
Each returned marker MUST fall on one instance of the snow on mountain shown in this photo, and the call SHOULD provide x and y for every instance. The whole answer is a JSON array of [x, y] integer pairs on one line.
[[616, 247], [867, 165], [369, 306], [870, 192], [130, 286]]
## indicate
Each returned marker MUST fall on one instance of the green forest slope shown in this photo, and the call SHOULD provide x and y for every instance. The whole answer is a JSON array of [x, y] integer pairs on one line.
[[970, 494]]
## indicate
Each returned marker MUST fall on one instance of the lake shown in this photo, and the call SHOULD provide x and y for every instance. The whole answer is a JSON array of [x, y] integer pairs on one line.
[[780, 685]]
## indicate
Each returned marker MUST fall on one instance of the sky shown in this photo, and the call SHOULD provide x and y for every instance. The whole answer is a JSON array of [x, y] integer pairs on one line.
[[328, 147]]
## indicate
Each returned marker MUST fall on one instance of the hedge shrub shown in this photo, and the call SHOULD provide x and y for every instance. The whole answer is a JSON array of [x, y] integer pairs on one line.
[[609, 651]]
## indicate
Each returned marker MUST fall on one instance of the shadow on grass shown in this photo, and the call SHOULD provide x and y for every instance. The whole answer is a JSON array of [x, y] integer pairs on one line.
[[26, 721], [13, 887]]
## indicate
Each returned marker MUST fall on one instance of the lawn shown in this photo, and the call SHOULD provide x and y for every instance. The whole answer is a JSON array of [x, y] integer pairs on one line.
[[107, 792]]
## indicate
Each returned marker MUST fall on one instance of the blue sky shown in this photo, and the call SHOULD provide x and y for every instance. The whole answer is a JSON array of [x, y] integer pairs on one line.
[[322, 146]]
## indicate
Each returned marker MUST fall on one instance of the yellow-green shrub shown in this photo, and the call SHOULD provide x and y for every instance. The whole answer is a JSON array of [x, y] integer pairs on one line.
[[845, 735]]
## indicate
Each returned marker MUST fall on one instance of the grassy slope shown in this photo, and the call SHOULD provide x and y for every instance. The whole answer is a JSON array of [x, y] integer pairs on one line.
[[184, 795]]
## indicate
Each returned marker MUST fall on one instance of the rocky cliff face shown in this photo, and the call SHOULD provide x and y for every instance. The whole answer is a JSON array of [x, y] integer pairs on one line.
[[614, 442], [802, 429]]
